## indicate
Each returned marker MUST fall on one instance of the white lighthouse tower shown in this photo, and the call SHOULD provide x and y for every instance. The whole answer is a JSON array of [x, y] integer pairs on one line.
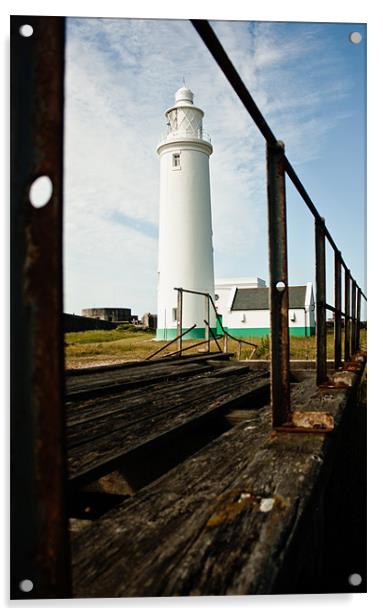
[[185, 232]]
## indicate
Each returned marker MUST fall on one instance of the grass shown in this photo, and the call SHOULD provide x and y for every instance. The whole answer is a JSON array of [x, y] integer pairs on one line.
[[110, 346], [119, 345]]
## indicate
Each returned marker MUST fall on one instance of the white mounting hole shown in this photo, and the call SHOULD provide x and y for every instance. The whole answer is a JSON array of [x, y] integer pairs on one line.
[[280, 286], [26, 30], [26, 585], [355, 37], [355, 579], [41, 191]]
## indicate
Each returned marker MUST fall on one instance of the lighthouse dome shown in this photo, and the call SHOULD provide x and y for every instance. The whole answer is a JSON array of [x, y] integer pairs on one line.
[[184, 96]]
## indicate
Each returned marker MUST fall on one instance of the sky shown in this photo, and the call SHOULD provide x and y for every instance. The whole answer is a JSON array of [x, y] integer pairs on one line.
[[121, 75]]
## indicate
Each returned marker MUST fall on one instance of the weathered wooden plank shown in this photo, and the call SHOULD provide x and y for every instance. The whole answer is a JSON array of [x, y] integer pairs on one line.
[[103, 448], [160, 361], [219, 523], [107, 415], [109, 384], [122, 374], [106, 382], [122, 414], [154, 396], [230, 370], [78, 387]]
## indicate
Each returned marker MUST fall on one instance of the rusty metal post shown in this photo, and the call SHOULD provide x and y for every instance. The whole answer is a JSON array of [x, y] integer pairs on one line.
[[320, 276], [39, 533], [179, 320], [338, 310], [353, 317], [358, 305], [347, 354], [279, 291], [207, 322]]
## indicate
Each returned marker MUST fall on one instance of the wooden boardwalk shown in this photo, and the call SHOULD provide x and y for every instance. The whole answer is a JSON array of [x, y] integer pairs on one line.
[[112, 413], [220, 518]]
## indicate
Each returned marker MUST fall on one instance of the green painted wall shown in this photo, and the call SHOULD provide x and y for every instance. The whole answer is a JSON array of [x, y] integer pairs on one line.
[[239, 332], [218, 325], [258, 332]]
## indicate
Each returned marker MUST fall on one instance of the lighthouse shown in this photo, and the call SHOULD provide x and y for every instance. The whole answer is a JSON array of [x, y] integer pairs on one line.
[[185, 228]]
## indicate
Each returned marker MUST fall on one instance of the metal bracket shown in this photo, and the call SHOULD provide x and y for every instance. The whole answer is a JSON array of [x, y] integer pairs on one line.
[[307, 421], [345, 377]]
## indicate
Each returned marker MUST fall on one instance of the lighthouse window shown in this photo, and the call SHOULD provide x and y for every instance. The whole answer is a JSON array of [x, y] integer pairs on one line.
[[176, 160]]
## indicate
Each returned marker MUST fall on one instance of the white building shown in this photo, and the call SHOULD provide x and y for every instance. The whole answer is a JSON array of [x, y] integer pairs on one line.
[[185, 230], [243, 304]]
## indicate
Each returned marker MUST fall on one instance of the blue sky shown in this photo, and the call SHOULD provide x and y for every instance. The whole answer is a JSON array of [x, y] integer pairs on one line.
[[121, 75]]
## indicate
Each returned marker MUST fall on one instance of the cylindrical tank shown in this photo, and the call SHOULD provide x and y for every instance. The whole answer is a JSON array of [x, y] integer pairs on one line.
[[185, 231]]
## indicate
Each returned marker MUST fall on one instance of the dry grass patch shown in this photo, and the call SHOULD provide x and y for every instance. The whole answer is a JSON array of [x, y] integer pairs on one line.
[[105, 347]]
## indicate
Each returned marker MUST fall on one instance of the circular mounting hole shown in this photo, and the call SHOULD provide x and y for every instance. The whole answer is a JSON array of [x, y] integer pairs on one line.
[[41, 191], [355, 37], [355, 579], [26, 30], [280, 286], [26, 585]]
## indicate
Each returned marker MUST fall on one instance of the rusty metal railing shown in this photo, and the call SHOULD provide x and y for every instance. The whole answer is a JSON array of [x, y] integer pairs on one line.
[[177, 339], [208, 302], [278, 166], [40, 560]]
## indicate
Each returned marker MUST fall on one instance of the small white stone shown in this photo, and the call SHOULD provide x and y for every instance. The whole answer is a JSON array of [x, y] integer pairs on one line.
[[266, 504], [244, 496]]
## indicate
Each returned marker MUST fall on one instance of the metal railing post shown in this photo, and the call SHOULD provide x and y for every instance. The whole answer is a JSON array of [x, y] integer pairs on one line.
[[40, 550], [320, 275], [207, 321], [179, 320], [347, 315], [353, 317], [338, 310], [358, 303], [279, 292], [225, 343]]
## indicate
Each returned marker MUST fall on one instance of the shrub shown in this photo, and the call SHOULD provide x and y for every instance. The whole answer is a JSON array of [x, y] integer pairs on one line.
[[126, 327], [263, 348]]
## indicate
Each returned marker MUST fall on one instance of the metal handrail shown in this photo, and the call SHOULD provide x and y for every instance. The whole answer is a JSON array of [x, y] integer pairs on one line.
[[278, 166], [191, 346], [218, 316], [215, 338], [216, 49], [171, 342]]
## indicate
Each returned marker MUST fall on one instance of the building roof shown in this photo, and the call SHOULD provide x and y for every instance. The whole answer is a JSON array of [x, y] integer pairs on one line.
[[258, 298], [253, 281]]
